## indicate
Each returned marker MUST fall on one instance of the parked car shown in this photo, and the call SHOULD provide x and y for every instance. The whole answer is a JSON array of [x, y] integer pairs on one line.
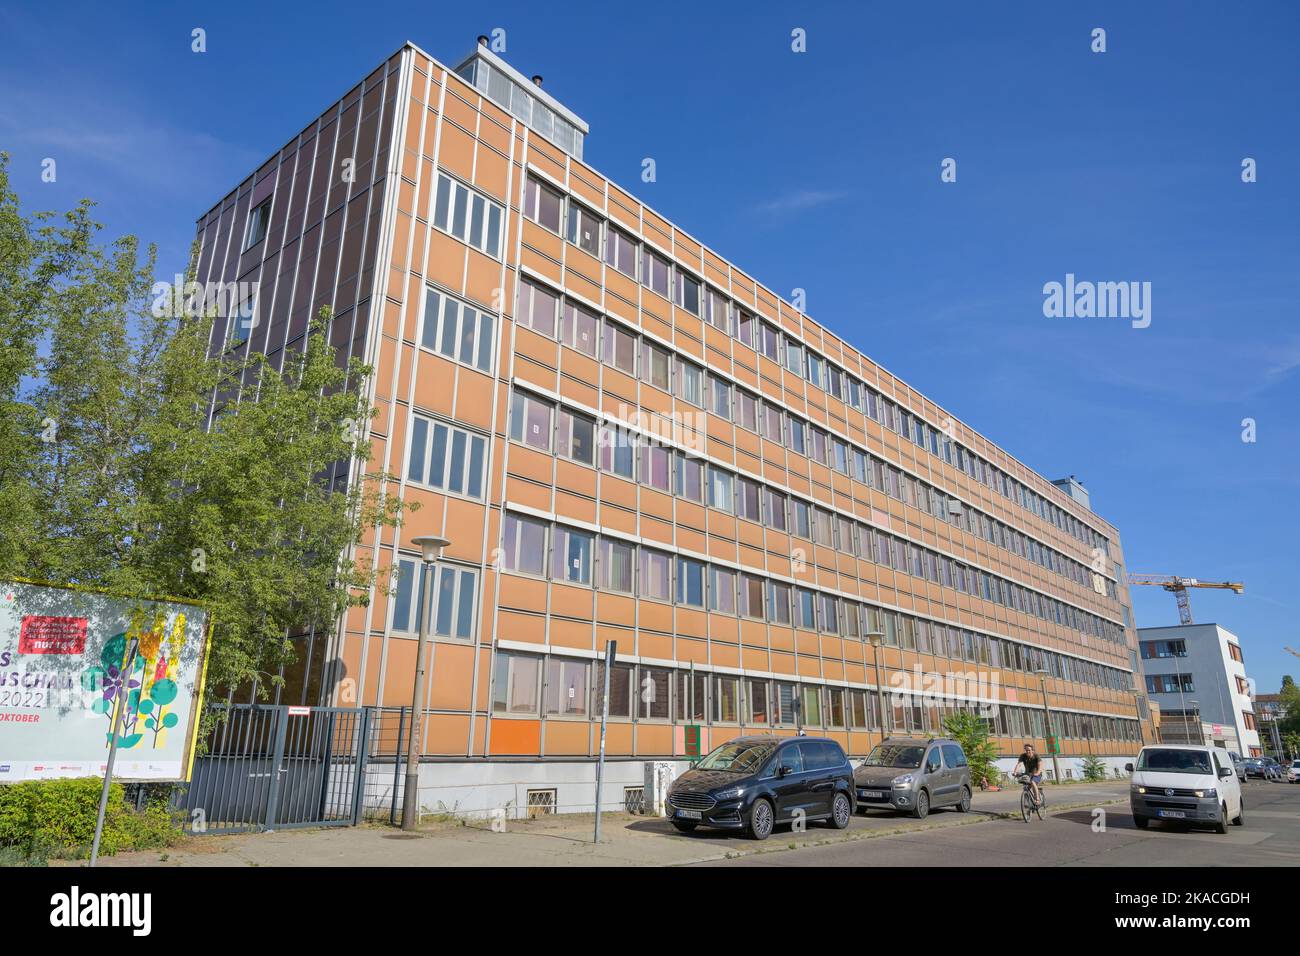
[[913, 775], [1293, 772], [1185, 783], [1266, 768], [751, 784], [1238, 765]]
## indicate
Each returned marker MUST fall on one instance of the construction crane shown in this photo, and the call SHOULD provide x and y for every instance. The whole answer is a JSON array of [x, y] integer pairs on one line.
[[1172, 582]]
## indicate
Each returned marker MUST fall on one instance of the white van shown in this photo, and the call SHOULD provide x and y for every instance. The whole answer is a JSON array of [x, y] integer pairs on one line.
[[1185, 783]]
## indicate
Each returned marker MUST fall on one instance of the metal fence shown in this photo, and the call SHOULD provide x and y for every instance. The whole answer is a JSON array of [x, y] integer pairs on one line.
[[277, 767]]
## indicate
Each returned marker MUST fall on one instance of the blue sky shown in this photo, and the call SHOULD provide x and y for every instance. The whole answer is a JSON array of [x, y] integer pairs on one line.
[[821, 171]]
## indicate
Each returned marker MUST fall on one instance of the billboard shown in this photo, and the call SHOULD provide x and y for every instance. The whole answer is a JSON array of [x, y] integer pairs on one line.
[[64, 678]]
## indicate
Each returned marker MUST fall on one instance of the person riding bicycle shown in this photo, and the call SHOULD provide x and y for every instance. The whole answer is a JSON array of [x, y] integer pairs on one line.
[[1032, 764]]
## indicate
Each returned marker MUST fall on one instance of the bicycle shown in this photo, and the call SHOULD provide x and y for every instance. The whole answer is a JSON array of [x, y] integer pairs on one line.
[[1027, 803]]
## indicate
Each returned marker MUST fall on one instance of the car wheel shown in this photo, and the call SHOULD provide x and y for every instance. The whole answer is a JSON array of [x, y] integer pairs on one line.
[[761, 819], [1221, 824], [684, 827], [963, 805], [1240, 819], [841, 811], [1141, 822], [922, 808]]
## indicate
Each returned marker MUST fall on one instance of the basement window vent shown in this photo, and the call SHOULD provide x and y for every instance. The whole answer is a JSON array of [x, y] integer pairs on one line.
[[634, 799], [541, 803]]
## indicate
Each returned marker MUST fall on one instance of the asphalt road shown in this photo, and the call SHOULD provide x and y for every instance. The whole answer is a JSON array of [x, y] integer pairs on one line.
[[1270, 837]]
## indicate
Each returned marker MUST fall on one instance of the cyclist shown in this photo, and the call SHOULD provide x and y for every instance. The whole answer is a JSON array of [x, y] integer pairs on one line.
[[1032, 765]]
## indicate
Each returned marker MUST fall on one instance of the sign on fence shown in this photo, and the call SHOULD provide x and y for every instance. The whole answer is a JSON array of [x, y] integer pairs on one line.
[[63, 654]]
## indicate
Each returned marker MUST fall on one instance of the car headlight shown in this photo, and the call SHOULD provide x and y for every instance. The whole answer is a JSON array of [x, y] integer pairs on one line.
[[904, 781], [732, 794], [1207, 793], [1139, 789]]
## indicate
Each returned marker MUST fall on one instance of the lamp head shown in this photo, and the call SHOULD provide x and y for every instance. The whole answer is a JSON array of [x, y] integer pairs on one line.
[[430, 546]]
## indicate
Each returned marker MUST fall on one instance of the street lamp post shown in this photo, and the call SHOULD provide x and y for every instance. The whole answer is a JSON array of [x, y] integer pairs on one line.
[[430, 551], [1047, 713], [875, 638]]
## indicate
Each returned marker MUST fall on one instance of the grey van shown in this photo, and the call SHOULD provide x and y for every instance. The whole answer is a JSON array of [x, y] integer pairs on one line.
[[914, 774]]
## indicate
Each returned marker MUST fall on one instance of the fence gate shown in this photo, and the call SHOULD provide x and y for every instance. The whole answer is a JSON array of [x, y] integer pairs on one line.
[[270, 768]]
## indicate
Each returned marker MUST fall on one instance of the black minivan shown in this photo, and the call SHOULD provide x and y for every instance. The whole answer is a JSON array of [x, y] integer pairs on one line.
[[754, 783]]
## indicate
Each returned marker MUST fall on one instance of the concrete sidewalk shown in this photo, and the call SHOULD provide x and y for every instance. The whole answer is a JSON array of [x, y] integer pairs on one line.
[[565, 840]]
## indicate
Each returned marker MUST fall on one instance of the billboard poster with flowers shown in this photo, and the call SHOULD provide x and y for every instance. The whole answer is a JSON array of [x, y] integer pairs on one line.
[[67, 677]]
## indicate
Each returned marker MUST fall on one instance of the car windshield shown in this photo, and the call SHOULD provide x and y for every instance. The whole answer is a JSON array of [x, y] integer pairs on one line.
[[902, 756], [737, 757], [1175, 761], [1295, 764]]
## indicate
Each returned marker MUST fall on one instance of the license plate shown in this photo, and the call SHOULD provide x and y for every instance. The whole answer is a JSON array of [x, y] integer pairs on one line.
[[688, 814], [871, 794], [1172, 814]]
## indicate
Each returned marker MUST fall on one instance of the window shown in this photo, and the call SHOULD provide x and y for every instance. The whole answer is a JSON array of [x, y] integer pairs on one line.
[[523, 545], [656, 575], [620, 348], [584, 229], [745, 327], [722, 590], [688, 292], [656, 467], [720, 486], [772, 422], [620, 251], [620, 687], [690, 478], [726, 700], [575, 436], [655, 272], [457, 330], [655, 363], [571, 556], [690, 582], [751, 596], [653, 692], [794, 356], [469, 216], [579, 329], [617, 451], [530, 421], [774, 510], [758, 708], [812, 706], [800, 523], [567, 687], [716, 311], [778, 602], [805, 609], [516, 682], [617, 559], [747, 500], [543, 205], [258, 220], [720, 397], [453, 614], [798, 432], [538, 308], [445, 457], [407, 611], [771, 341], [746, 410], [690, 382]]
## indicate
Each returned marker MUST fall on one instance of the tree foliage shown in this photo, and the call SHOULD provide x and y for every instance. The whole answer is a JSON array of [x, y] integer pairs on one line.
[[972, 732], [138, 462]]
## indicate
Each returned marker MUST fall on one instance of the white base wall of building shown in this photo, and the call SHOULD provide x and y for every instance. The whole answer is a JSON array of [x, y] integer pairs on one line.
[[500, 789], [1072, 767]]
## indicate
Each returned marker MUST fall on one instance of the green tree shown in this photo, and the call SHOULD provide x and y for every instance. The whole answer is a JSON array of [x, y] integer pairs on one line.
[[972, 732], [1094, 768], [124, 483], [1289, 702]]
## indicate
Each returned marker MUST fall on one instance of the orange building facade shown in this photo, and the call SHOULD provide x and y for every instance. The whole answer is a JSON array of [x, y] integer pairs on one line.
[[627, 438]]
